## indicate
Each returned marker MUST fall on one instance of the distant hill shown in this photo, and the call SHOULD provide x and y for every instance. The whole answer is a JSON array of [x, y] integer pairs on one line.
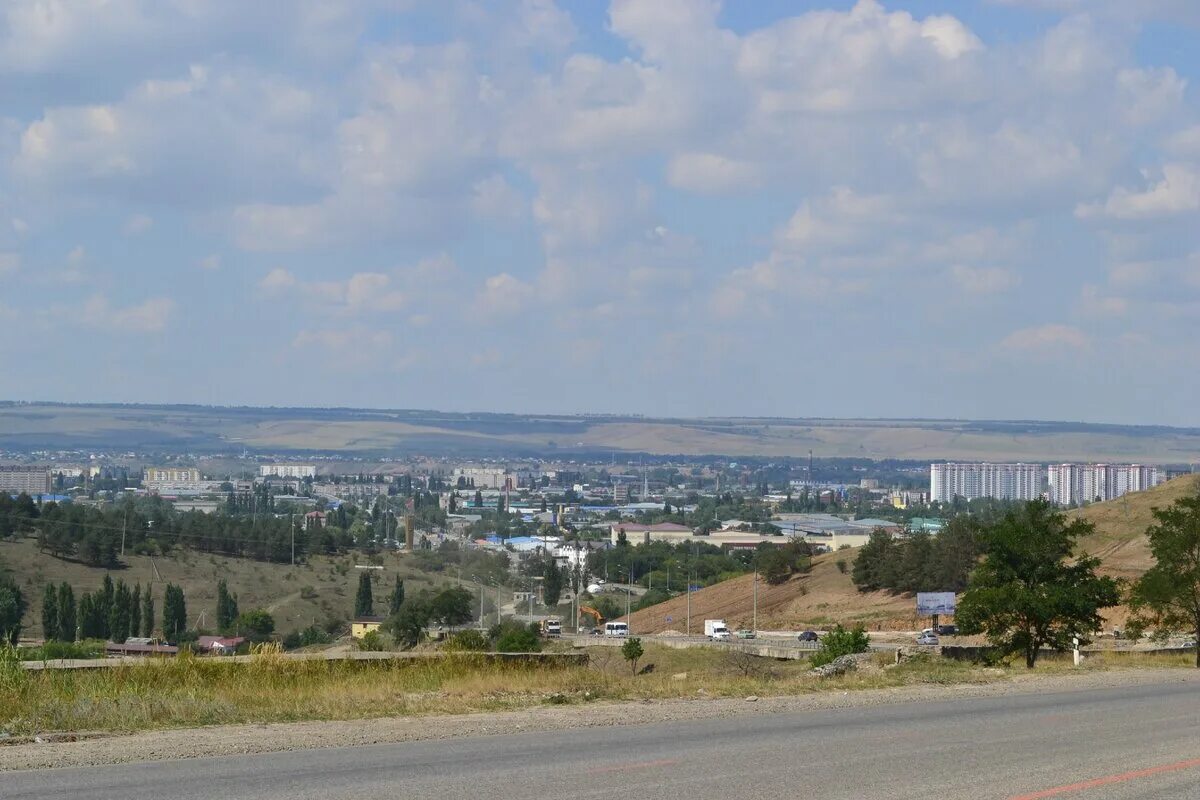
[[375, 433]]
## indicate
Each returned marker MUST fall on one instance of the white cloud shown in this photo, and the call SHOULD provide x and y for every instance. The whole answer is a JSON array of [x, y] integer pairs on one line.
[[1094, 303], [277, 280], [504, 295], [1045, 339], [9, 262], [983, 280], [210, 263], [76, 257], [1178, 191], [149, 316], [711, 173]]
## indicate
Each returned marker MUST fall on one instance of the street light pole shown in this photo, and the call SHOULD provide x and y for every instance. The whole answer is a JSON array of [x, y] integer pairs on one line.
[[756, 600]]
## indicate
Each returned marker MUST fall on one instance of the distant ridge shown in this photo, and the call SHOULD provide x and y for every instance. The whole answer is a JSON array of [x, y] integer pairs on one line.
[[26, 426]]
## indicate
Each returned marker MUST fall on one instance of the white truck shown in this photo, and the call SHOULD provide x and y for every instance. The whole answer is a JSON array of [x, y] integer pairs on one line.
[[717, 630]]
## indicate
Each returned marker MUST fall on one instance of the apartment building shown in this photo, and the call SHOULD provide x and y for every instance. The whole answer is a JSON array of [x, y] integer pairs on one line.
[[972, 481], [298, 471], [17, 478]]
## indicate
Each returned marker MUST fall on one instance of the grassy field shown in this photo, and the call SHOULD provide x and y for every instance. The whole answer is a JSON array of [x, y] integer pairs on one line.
[[296, 597], [188, 692], [378, 432]]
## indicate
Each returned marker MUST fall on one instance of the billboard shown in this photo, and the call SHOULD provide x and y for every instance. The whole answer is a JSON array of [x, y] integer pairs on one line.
[[930, 603]]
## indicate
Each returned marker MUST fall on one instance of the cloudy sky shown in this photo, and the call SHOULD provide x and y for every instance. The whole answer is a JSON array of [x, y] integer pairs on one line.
[[906, 208]]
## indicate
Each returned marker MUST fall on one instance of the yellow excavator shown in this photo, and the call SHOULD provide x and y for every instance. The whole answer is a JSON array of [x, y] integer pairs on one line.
[[594, 614]]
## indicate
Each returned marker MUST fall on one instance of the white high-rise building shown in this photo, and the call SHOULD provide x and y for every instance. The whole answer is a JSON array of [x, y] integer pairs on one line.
[[1088, 483], [287, 471], [972, 481]]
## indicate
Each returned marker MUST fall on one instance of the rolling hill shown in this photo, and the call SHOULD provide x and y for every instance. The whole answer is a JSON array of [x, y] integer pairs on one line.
[[376, 432]]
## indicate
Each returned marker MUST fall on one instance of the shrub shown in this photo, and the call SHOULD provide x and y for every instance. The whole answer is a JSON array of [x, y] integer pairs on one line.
[[372, 641], [841, 642], [632, 651], [513, 637], [841, 565], [468, 640]]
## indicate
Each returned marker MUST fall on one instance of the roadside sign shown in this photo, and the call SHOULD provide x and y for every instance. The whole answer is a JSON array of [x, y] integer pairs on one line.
[[930, 603]]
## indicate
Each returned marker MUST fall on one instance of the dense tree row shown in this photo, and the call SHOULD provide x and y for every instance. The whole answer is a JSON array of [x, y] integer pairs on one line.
[[148, 525], [920, 562], [114, 612]]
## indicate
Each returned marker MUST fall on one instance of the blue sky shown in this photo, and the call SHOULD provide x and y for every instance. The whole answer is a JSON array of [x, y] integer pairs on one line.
[[910, 208]]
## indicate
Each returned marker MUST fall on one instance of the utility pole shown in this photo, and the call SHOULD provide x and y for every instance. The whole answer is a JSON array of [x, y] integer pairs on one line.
[[292, 525], [689, 602], [124, 525]]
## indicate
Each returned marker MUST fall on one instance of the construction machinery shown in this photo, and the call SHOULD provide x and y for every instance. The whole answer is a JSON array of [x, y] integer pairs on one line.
[[596, 616], [551, 627]]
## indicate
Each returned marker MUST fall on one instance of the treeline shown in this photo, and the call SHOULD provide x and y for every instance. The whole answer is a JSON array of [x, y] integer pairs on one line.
[[148, 526], [920, 562], [114, 612]]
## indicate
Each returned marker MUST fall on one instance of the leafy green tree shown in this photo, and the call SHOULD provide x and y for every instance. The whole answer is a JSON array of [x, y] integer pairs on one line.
[[1167, 596], [632, 651], [408, 625], [364, 603], [553, 582], [255, 624], [1026, 594], [867, 572], [50, 613], [103, 601], [148, 613], [396, 597], [68, 621], [12, 609], [451, 606], [174, 613], [775, 566], [840, 642]]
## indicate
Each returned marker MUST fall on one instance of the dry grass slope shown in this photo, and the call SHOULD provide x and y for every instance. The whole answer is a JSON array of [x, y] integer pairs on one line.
[[1120, 537], [296, 596]]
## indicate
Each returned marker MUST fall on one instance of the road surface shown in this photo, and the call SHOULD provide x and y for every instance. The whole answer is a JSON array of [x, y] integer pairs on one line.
[[1133, 742]]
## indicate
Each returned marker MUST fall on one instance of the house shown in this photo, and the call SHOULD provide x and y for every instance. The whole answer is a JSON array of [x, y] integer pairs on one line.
[[314, 519], [139, 647], [361, 626], [220, 645]]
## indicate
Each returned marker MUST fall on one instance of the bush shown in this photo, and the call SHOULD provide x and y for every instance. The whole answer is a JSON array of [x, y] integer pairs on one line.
[[52, 651], [371, 641], [632, 652], [256, 625], [841, 565], [468, 640], [513, 637], [841, 642]]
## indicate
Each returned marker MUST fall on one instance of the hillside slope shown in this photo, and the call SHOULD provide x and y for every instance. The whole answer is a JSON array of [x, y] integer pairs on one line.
[[296, 596], [816, 600], [1120, 537], [826, 595]]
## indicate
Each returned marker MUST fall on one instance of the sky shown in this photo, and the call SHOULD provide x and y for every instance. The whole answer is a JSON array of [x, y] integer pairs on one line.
[[911, 208]]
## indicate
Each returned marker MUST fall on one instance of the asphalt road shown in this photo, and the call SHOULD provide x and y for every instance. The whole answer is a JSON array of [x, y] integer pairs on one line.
[[1137, 742]]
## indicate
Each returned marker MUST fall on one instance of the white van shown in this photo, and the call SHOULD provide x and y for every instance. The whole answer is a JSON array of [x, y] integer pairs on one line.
[[616, 629]]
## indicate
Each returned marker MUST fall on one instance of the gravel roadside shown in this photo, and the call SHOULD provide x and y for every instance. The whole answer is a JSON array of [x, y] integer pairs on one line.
[[248, 739]]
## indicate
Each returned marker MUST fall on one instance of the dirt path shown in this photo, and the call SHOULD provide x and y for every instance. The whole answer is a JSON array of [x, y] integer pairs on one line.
[[244, 739]]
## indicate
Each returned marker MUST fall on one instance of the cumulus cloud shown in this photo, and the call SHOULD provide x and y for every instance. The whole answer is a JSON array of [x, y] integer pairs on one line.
[[1176, 192], [277, 280], [504, 295]]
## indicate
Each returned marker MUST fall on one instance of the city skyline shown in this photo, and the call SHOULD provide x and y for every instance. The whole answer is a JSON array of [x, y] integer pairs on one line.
[[907, 209]]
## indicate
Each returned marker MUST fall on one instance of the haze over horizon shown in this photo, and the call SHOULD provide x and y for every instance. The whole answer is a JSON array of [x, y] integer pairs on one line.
[[916, 209]]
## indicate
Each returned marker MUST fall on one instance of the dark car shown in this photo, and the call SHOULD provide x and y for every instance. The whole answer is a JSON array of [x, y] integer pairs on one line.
[[947, 630], [807, 636]]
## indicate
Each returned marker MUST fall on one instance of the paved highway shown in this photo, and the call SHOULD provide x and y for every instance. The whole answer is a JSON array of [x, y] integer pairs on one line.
[[1137, 742]]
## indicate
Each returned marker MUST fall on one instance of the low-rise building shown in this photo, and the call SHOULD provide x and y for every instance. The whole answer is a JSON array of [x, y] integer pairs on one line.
[[361, 626], [165, 479]]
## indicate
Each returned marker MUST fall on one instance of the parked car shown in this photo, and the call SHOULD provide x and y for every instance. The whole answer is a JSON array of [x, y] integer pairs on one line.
[[927, 638], [947, 630], [807, 636], [745, 633]]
